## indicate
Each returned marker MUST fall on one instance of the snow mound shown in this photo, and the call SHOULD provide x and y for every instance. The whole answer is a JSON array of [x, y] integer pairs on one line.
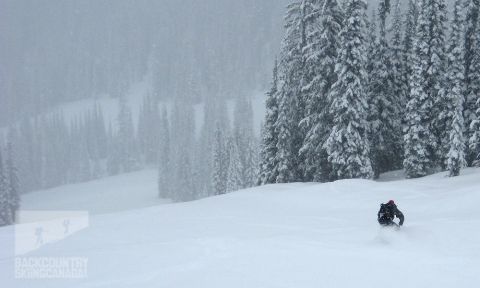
[[290, 235]]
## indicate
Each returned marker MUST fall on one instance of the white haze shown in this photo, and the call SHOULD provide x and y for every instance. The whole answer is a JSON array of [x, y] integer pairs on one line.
[[63, 53], [61, 50]]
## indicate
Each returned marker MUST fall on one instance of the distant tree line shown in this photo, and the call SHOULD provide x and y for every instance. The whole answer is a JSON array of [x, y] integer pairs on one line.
[[221, 159], [195, 158], [355, 96]]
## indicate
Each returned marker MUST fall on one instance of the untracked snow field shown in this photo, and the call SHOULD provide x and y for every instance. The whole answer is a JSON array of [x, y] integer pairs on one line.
[[292, 235]]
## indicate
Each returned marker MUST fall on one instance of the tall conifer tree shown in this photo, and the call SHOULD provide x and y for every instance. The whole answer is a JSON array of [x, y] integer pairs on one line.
[[324, 45], [348, 146], [452, 114]]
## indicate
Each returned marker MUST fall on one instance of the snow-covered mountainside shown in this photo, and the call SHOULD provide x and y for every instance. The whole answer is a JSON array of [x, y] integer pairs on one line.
[[292, 235], [112, 194]]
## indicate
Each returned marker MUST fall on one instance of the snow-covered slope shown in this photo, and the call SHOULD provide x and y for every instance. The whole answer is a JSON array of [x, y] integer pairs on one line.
[[292, 235], [112, 194]]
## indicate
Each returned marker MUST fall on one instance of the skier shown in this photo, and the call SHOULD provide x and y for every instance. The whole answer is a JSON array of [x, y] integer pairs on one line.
[[388, 212]]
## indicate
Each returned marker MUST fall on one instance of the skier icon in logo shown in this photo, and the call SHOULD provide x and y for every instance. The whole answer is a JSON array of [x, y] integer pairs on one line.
[[39, 234], [66, 226]]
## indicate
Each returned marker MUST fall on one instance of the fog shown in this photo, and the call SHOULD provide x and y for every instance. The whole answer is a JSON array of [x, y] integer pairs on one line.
[[234, 143], [195, 61], [151, 82], [57, 51]]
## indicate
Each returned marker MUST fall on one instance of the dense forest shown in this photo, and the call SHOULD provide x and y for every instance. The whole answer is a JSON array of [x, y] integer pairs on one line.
[[354, 96]]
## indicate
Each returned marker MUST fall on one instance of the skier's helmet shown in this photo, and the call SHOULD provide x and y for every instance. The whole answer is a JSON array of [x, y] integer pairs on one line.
[[391, 202]]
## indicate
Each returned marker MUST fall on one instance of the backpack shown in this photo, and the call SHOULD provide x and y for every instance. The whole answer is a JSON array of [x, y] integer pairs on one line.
[[385, 212]]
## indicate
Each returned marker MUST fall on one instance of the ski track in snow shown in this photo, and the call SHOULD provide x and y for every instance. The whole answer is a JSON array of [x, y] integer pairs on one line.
[[290, 235]]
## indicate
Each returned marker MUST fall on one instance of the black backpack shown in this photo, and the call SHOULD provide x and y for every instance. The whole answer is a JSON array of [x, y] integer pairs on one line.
[[385, 212]]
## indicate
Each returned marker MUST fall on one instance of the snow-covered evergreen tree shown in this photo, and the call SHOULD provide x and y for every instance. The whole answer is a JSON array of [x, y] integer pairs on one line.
[[148, 134], [371, 41], [84, 171], [251, 163], [456, 154], [411, 23], [53, 139], [474, 141], [220, 162], [12, 181], [204, 151], [96, 141], [5, 213], [322, 46], [347, 146], [436, 19], [164, 166], [384, 104], [126, 140], [472, 80], [286, 157], [235, 179], [183, 140], [185, 188], [9, 186], [452, 141], [244, 137], [215, 113], [26, 158], [309, 48], [113, 165], [399, 73], [268, 166], [418, 135], [290, 100], [426, 84], [101, 138]]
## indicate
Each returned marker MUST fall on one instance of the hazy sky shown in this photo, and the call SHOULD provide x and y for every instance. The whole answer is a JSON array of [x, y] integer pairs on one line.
[[60, 50], [54, 51]]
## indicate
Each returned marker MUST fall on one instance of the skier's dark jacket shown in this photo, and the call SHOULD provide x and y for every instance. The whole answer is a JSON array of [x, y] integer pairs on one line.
[[387, 213]]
